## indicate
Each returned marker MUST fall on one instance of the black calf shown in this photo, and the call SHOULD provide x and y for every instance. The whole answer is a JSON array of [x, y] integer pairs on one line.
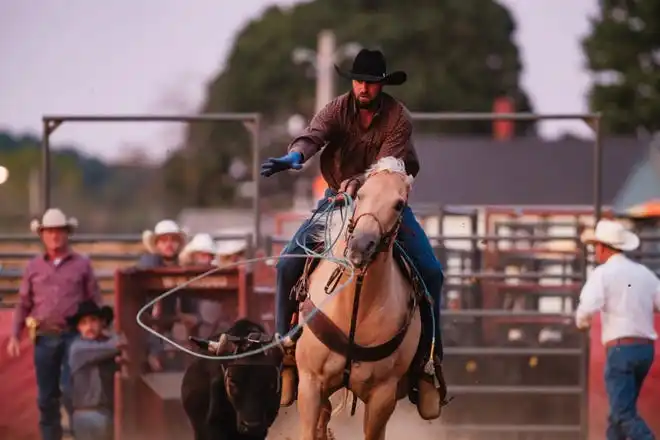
[[238, 399]]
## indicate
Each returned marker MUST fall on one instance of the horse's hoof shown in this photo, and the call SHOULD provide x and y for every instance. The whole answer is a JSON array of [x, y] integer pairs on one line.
[[428, 403]]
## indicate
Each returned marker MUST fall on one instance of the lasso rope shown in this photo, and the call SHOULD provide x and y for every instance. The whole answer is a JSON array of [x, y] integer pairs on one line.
[[327, 211]]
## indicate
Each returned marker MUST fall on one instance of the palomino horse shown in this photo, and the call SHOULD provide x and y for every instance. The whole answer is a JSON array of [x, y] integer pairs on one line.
[[387, 327]]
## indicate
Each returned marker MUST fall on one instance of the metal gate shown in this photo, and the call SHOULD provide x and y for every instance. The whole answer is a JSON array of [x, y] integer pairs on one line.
[[251, 121]]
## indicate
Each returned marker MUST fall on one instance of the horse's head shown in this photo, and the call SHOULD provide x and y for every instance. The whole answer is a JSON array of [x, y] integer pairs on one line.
[[252, 384], [378, 210]]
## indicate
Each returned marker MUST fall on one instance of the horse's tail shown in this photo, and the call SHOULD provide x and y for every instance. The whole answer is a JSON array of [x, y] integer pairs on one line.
[[342, 404]]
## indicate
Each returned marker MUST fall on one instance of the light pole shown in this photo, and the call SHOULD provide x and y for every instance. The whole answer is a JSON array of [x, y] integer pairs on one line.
[[327, 54], [322, 61]]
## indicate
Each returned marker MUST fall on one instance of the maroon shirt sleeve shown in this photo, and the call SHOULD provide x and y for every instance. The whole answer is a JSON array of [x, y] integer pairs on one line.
[[319, 131], [25, 303]]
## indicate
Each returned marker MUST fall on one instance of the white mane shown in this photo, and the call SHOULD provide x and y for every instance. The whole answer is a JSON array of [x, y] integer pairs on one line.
[[390, 164], [332, 224]]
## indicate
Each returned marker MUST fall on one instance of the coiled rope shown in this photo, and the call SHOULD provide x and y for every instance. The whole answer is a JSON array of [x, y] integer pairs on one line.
[[344, 204]]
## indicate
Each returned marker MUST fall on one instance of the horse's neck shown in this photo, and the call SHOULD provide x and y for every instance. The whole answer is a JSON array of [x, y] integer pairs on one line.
[[375, 291]]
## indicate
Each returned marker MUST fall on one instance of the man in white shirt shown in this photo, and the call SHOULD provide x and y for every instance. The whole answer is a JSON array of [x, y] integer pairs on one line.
[[626, 293]]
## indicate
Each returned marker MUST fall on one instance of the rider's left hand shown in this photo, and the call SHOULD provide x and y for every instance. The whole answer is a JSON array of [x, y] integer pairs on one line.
[[351, 186]]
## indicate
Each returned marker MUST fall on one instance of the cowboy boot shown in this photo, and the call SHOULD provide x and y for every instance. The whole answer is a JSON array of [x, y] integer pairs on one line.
[[431, 399], [289, 373], [428, 399]]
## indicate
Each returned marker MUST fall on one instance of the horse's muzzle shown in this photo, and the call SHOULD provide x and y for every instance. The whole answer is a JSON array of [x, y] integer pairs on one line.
[[361, 248]]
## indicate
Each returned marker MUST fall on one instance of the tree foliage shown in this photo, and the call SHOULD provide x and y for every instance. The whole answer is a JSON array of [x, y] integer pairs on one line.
[[623, 51], [105, 197], [459, 55]]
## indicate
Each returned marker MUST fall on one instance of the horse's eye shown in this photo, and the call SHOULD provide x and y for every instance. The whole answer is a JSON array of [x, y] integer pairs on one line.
[[399, 205]]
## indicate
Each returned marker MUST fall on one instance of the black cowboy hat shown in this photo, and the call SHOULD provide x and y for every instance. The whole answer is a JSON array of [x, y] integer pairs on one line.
[[90, 308], [370, 66]]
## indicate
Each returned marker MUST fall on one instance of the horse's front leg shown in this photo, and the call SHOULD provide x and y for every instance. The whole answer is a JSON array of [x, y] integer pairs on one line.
[[322, 432], [309, 405], [382, 401]]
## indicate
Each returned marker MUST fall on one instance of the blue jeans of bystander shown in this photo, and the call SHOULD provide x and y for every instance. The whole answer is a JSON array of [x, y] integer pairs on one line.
[[51, 362], [625, 370]]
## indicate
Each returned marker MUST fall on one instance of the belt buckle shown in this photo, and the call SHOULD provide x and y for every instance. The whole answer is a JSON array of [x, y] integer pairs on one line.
[[32, 327]]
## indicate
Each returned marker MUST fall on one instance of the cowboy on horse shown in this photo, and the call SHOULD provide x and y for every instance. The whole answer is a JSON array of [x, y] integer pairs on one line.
[[353, 132]]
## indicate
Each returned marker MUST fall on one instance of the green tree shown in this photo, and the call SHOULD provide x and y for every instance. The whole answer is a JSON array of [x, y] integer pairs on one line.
[[460, 55], [623, 51], [103, 197]]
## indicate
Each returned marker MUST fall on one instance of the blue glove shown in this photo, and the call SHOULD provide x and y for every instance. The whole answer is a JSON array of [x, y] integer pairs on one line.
[[292, 161]]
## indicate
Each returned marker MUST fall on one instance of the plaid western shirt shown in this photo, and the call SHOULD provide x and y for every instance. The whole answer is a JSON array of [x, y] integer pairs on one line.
[[348, 149]]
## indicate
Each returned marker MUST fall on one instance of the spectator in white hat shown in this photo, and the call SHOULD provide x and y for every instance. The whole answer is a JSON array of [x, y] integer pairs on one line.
[[232, 250], [53, 286], [626, 294], [199, 252], [163, 244]]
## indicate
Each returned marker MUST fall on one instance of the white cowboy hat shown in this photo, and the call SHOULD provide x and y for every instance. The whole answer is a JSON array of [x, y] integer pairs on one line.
[[225, 247], [163, 227], [53, 218], [200, 243], [612, 234], [4, 174]]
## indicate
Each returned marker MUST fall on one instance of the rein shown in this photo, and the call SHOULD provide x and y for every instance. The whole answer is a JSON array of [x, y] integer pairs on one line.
[[384, 244]]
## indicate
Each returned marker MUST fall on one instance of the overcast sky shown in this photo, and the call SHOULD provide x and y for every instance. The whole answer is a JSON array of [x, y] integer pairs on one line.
[[137, 56]]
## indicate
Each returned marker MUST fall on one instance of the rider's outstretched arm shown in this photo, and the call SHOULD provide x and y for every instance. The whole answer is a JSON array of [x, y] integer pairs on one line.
[[319, 132], [398, 143]]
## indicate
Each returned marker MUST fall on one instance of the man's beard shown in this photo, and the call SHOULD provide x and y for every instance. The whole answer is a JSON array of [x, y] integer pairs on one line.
[[369, 105]]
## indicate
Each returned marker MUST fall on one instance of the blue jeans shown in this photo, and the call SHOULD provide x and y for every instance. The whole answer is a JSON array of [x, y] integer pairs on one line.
[[93, 425], [415, 243], [51, 363], [625, 370]]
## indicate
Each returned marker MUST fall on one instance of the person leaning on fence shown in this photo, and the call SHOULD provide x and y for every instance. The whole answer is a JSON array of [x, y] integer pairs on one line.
[[163, 245], [199, 252], [230, 251], [53, 286], [626, 293], [94, 358]]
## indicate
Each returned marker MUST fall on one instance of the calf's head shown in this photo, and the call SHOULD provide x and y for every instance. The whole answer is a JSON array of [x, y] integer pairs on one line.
[[252, 384]]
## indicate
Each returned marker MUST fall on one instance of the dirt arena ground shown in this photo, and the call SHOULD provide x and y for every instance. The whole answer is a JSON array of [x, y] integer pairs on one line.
[[404, 424]]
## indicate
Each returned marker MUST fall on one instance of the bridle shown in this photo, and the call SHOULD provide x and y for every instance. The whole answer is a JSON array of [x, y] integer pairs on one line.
[[386, 237]]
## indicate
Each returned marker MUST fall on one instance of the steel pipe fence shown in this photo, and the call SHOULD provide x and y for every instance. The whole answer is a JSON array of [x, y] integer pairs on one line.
[[251, 121]]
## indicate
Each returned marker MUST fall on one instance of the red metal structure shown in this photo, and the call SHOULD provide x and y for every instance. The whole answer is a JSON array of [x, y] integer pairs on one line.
[[147, 405]]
